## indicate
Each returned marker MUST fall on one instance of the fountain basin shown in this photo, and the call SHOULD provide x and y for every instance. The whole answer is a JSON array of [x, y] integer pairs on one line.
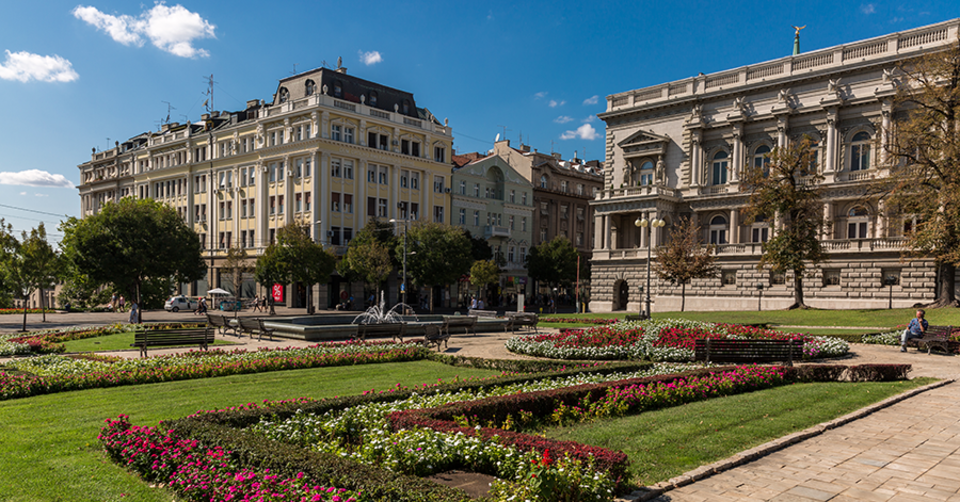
[[320, 328]]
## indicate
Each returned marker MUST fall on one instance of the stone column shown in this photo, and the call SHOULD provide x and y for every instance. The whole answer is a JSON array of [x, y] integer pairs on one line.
[[885, 133], [734, 226], [696, 160], [737, 162], [830, 164], [828, 220], [608, 229], [782, 121], [597, 231], [881, 221]]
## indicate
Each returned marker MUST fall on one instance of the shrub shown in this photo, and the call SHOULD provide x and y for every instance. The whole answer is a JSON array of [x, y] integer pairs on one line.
[[878, 372]]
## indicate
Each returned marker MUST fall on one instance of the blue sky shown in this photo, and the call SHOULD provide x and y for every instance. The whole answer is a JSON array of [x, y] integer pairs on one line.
[[74, 76]]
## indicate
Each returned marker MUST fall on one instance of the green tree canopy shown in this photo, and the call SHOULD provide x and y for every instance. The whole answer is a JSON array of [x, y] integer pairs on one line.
[[8, 246], [483, 273], [371, 254], [923, 158], [294, 257], [684, 258], [479, 247], [35, 265], [553, 262], [132, 243], [442, 254], [787, 190]]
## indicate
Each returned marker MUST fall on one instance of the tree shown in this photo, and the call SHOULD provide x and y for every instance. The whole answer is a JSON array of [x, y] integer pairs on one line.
[[684, 258], [294, 257], [553, 263], [479, 247], [8, 246], [484, 272], [787, 190], [923, 157], [442, 254], [136, 246], [34, 265], [371, 254], [236, 265]]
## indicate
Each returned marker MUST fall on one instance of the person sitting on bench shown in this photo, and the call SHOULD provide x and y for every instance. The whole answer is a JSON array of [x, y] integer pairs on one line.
[[916, 329]]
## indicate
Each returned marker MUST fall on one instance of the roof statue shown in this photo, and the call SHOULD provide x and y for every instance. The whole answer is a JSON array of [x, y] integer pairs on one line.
[[796, 39], [339, 62]]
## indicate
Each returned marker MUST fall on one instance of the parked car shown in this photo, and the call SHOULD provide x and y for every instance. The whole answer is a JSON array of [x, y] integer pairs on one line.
[[178, 303]]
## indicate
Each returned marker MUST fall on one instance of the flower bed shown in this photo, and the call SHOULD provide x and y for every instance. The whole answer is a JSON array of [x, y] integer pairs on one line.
[[578, 320], [658, 340], [53, 373], [8, 311]]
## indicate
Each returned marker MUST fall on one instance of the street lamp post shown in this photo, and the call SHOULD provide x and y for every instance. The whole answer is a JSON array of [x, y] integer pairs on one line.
[[650, 225], [403, 286], [759, 296]]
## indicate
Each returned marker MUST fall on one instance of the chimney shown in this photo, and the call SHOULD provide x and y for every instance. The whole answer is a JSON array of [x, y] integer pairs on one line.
[[524, 148], [205, 116], [252, 103], [556, 155], [342, 69]]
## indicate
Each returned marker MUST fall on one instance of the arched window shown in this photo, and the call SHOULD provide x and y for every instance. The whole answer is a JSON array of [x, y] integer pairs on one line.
[[858, 220], [860, 152], [646, 173], [720, 168], [284, 94], [718, 230], [760, 156], [543, 181], [311, 87]]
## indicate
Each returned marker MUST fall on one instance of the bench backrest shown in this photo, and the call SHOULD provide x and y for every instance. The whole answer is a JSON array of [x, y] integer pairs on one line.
[[173, 337], [939, 331], [482, 313], [460, 321], [216, 320], [249, 323], [719, 349]]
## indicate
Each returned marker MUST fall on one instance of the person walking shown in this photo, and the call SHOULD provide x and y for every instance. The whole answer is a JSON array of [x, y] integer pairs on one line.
[[916, 329], [122, 303], [133, 319]]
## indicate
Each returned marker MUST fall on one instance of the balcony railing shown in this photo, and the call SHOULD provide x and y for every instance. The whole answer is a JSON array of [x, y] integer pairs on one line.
[[495, 231], [830, 246]]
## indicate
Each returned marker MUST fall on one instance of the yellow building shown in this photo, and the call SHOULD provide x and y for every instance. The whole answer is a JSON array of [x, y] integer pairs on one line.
[[330, 151]]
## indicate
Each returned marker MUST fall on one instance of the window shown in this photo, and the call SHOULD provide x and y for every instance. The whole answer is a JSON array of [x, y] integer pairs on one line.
[[348, 135], [336, 132], [415, 181], [523, 224], [372, 173], [777, 278], [311, 87], [646, 173], [476, 218], [857, 223], [222, 210], [510, 254], [523, 255], [379, 141], [335, 202], [719, 168], [415, 149], [728, 278], [273, 235], [229, 209], [463, 187], [280, 204], [371, 206], [718, 230], [404, 178], [511, 222], [284, 94], [273, 138], [334, 236], [253, 176], [250, 235], [335, 168], [438, 182], [382, 208], [463, 216], [273, 205], [298, 168], [298, 133], [476, 189], [513, 196], [579, 238], [243, 209], [337, 89], [281, 167], [273, 172], [372, 100], [760, 234], [890, 277], [761, 157], [439, 154], [406, 107], [404, 208], [523, 198], [384, 176], [860, 152], [543, 235], [348, 169], [414, 211], [579, 188], [243, 238], [543, 181], [306, 167], [347, 235], [831, 277], [563, 186], [298, 203], [438, 214], [348, 203]]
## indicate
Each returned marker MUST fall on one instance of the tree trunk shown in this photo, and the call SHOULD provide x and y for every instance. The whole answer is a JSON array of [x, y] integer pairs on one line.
[[25, 301], [798, 292], [683, 295], [42, 309], [946, 296]]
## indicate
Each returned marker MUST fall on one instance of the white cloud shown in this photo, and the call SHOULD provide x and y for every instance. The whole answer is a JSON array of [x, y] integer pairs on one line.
[[554, 103], [23, 193], [24, 66], [540, 95], [170, 29], [589, 119], [41, 195], [563, 119], [868, 8], [35, 178], [592, 100], [586, 131], [369, 58]]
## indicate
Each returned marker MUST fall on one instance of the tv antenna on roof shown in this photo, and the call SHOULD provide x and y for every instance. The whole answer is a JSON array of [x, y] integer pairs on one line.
[[294, 69], [504, 132], [208, 104], [169, 107]]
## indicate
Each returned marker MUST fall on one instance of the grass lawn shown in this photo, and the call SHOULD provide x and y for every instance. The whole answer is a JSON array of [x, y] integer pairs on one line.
[[666, 443], [118, 341], [48, 444], [811, 317]]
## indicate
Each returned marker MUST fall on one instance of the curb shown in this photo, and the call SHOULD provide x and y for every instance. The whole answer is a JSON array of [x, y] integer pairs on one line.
[[647, 493]]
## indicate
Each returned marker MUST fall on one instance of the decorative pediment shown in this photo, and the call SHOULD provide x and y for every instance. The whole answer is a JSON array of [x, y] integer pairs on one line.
[[643, 143]]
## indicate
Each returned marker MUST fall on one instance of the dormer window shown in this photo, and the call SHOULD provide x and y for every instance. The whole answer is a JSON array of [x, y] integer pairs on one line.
[[372, 100], [284, 94], [406, 107], [311, 87], [338, 89]]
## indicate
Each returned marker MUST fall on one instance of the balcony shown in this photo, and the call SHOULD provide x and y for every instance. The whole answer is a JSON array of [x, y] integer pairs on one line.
[[495, 231], [755, 249]]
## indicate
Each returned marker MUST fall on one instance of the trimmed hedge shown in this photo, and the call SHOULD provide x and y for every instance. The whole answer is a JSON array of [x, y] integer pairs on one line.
[[532, 365]]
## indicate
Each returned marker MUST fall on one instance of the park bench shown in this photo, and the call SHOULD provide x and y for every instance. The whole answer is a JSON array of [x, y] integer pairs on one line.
[[397, 330], [467, 322], [935, 336], [222, 324], [434, 335], [167, 338], [748, 351], [482, 313], [249, 325], [522, 319], [636, 317]]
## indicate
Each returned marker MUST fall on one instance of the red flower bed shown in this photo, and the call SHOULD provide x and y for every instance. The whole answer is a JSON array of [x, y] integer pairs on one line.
[[592, 337]]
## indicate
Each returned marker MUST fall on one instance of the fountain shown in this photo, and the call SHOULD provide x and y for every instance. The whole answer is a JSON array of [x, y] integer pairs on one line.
[[378, 314]]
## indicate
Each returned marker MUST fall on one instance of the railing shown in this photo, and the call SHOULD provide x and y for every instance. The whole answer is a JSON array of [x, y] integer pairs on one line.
[[344, 105], [756, 248], [860, 175], [379, 114], [413, 122], [905, 44], [495, 231], [717, 189]]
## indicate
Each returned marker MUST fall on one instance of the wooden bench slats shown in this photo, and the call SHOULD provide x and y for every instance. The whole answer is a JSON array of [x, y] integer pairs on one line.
[[434, 335], [935, 336], [468, 323], [747, 351], [222, 324], [522, 319], [253, 326], [168, 338]]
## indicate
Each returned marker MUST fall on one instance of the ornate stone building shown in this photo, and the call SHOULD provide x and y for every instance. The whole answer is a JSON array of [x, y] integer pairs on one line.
[[330, 151], [677, 150]]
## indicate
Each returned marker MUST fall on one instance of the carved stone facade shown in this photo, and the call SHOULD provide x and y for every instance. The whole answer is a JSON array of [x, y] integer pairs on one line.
[[676, 150]]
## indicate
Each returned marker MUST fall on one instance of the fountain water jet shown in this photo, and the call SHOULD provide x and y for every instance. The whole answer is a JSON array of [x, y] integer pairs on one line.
[[378, 314]]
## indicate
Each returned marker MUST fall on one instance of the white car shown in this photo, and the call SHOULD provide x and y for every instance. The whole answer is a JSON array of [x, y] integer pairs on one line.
[[178, 303]]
